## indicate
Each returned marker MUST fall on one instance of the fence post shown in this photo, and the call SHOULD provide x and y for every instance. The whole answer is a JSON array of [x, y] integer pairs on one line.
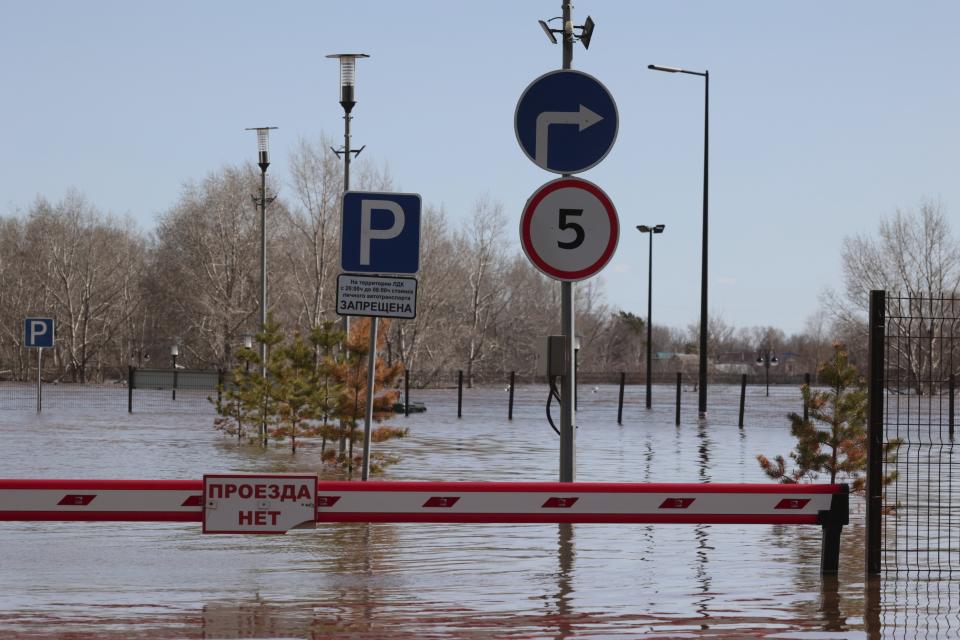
[[460, 393], [510, 407], [743, 397], [953, 393], [875, 382], [219, 386], [679, 382], [130, 371], [806, 403], [406, 392], [623, 377]]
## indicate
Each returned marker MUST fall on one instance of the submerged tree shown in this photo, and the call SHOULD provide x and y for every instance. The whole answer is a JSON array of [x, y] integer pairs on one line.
[[839, 449], [311, 390], [350, 372]]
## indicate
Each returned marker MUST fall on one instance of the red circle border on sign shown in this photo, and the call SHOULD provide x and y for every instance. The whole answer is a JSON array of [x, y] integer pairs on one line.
[[527, 243]]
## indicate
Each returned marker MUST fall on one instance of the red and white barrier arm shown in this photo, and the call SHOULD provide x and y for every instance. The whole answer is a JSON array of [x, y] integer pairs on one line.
[[182, 501], [574, 502], [105, 500]]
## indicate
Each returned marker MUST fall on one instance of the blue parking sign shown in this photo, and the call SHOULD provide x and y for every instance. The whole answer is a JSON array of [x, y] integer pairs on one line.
[[38, 333], [380, 232], [566, 121]]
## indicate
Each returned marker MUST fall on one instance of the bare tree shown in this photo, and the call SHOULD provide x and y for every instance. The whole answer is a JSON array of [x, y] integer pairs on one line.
[[206, 264], [310, 258], [419, 342], [89, 267], [916, 258], [480, 247]]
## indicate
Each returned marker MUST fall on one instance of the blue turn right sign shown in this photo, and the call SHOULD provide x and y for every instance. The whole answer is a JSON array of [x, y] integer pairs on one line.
[[566, 121]]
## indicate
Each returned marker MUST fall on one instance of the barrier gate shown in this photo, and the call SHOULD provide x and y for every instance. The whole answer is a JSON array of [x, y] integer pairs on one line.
[[273, 504]]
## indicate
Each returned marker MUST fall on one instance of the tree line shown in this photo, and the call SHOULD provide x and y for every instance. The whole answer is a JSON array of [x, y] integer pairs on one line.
[[122, 296]]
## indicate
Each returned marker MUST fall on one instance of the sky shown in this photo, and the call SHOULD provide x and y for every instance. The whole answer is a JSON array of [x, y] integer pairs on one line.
[[824, 118]]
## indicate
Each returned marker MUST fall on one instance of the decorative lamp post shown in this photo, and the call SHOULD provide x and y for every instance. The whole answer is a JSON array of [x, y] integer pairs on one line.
[[651, 230], [767, 358], [702, 383], [348, 99], [263, 161], [174, 352]]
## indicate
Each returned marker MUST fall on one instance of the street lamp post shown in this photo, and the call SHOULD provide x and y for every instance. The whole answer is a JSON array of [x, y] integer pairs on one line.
[[348, 99], [702, 383], [651, 230], [767, 358], [263, 161], [174, 352]]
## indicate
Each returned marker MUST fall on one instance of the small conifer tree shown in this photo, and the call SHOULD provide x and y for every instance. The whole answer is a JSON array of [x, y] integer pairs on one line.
[[311, 389], [351, 373], [839, 447]]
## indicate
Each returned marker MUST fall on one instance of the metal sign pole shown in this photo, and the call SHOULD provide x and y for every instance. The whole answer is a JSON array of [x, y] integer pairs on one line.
[[371, 379], [39, 388], [568, 439]]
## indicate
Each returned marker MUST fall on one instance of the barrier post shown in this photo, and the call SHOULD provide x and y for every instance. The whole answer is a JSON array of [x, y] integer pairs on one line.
[[130, 371], [510, 407], [679, 383], [406, 392], [832, 522], [743, 398], [623, 377], [460, 393], [875, 384]]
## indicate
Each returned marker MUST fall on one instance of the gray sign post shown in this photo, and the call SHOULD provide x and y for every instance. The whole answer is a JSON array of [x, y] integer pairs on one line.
[[38, 333]]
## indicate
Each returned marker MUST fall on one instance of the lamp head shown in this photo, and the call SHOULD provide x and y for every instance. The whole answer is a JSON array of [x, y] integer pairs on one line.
[[657, 67], [586, 32], [547, 30], [263, 146], [348, 77]]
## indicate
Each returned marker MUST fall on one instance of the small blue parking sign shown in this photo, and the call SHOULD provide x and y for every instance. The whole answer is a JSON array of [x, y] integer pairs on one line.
[[38, 333], [566, 121], [380, 232]]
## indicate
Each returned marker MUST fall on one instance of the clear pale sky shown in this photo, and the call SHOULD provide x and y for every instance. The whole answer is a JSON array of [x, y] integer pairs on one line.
[[825, 116]]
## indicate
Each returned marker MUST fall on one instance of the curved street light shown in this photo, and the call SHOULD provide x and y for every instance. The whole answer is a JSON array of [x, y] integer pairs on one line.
[[651, 230], [702, 385]]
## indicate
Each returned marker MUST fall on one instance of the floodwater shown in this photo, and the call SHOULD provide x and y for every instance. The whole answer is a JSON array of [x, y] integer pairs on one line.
[[122, 580]]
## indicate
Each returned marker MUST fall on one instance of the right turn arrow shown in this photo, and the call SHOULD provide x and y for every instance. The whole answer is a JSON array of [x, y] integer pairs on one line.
[[584, 118]]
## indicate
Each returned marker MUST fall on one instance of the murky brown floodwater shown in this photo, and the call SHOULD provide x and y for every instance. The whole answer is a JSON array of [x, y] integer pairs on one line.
[[121, 580]]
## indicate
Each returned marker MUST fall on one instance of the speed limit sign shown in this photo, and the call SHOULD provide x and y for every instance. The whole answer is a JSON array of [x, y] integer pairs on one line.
[[569, 229]]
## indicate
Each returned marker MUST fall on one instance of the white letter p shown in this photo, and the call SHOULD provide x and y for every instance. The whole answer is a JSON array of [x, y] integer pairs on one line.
[[367, 233]]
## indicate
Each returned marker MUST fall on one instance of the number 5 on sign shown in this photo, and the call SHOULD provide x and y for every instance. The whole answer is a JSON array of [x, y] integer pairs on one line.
[[569, 229]]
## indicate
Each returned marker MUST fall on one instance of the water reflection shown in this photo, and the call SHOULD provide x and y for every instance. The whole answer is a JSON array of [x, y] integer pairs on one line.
[[564, 596], [701, 531]]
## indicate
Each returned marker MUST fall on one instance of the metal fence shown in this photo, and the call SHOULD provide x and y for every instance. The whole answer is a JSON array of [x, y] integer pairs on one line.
[[913, 521], [447, 378]]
